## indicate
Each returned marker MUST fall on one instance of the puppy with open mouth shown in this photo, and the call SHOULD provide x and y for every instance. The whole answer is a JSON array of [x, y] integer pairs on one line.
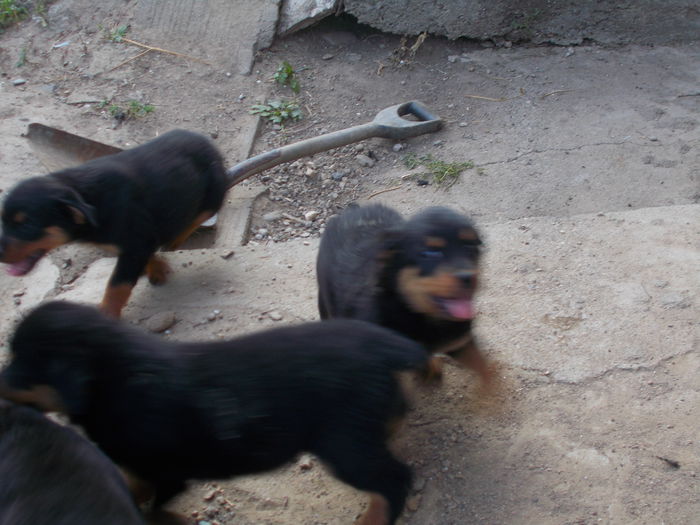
[[416, 276], [132, 202]]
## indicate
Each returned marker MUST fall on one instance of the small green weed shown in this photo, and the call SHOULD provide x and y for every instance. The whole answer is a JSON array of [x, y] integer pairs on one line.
[[285, 76], [22, 60], [133, 109], [278, 111], [42, 12], [138, 109], [118, 34], [11, 11], [443, 173]]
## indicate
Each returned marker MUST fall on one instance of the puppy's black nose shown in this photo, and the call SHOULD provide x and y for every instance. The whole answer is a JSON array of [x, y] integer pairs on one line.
[[467, 278]]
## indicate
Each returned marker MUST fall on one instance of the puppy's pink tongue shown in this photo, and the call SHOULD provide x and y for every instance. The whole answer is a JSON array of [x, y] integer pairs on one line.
[[21, 268], [460, 308]]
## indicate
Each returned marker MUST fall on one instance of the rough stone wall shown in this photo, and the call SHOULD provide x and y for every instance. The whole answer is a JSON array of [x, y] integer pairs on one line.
[[557, 21]]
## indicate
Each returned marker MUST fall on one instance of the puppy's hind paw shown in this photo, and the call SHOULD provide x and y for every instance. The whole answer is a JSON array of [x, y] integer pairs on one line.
[[431, 373], [157, 270]]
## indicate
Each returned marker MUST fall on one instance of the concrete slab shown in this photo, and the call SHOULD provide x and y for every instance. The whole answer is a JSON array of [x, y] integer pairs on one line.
[[550, 133], [225, 33], [242, 289], [594, 320], [298, 14], [567, 22], [578, 284]]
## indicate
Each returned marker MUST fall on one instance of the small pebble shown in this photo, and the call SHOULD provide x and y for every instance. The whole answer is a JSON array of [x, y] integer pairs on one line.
[[413, 503], [398, 147], [160, 322], [19, 81], [306, 462], [419, 484], [364, 160], [272, 216], [311, 215], [227, 254], [274, 315]]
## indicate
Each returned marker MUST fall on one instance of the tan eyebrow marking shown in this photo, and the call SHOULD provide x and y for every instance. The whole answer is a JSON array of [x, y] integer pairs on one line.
[[467, 235], [435, 242]]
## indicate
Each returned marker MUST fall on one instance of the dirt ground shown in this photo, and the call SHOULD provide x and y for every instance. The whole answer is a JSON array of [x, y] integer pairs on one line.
[[585, 183]]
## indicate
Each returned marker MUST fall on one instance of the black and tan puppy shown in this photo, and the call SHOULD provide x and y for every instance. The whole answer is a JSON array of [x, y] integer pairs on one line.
[[170, 412], [415, 276], [50, 474], [135, 201]]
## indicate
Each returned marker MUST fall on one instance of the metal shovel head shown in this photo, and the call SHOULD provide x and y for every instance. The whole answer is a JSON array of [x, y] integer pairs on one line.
[[58, 149]]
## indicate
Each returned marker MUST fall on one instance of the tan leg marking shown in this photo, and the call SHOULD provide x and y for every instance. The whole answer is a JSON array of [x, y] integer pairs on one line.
[[157, 270], [377, 512], [43, 397], [432, 372], [471, 357], [180, 239], [141, 491], [115, 298]]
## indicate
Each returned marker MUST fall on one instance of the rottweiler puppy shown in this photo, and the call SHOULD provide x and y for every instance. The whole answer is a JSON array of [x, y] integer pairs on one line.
[[50, 474], [170, 412], [134, 202], [415, 276]]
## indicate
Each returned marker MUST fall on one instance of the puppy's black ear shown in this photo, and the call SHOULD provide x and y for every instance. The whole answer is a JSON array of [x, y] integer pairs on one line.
[[81, 212]]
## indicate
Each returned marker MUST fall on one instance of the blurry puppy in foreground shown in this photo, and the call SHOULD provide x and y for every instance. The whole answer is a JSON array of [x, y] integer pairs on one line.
[[170, 412], [415, 276], [133, 202], [50, 474]]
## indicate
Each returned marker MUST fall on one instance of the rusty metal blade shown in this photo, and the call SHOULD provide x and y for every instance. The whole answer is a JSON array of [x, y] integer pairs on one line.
[[58, 149]]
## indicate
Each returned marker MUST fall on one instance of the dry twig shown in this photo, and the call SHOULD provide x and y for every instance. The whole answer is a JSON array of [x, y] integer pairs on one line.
[[556, 92], [384, 191], [161, 50]]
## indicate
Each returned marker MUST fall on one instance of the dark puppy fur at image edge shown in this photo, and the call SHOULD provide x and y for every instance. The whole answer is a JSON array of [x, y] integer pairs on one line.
[[169, 412], [50, 474], [415, 276], [133, 202]]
